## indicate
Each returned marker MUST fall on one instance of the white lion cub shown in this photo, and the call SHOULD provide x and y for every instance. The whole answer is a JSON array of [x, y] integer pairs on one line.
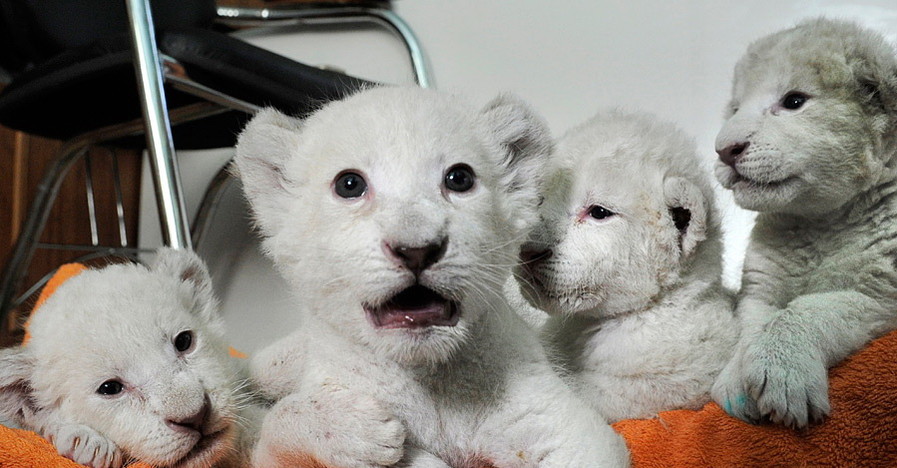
[[129, 362], [810, 143], [627, 260], [396, 215]]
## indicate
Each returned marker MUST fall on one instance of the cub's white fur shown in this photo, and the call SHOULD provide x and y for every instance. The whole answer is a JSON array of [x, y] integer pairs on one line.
[[626, 259], [354, 394], [810, 144], [119, 323]]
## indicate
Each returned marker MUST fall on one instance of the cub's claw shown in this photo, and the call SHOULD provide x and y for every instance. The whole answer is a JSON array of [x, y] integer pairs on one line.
[[788, 382], [86, 446]]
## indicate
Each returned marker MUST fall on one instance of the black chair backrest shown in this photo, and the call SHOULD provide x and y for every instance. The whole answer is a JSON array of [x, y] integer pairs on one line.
[[34, 30]]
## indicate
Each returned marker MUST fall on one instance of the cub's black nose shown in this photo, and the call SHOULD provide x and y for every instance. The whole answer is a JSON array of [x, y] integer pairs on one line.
[[418, 259]]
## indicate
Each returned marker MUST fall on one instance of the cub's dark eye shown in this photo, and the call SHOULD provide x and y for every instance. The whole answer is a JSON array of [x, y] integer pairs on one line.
[[350, 185], [459, 178], [600, 212], [794, 100], [110, 387], [183, 341]]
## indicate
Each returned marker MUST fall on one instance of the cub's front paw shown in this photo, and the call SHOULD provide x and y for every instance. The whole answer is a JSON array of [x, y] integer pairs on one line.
[[336, 426], [729, 392], [86, 446], [789, 382], [368, 434]]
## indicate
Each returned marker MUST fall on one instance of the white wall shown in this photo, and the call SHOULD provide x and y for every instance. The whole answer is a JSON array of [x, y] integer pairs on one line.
[[568, 58]]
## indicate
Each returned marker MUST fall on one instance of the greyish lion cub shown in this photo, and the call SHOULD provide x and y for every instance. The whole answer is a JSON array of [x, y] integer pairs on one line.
[[810, 143], [129, 363], [396, 215]]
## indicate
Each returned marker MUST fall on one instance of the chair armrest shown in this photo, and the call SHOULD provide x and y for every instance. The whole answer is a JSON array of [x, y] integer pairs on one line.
[[376, 12], [299, 14]]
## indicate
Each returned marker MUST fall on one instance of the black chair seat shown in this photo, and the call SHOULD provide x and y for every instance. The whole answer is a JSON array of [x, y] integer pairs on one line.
[[60, 97]]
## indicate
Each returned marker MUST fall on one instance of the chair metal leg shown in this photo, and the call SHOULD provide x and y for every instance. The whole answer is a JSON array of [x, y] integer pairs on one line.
[[91, 202], [209, 205], [239, 17], [30, 234], [119, 200], [412, 45], [29, 237], [166, 175]]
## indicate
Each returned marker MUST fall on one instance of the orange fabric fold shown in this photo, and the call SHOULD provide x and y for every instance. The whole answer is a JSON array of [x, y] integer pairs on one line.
[[25, 449], [62, 274], [861, 430]]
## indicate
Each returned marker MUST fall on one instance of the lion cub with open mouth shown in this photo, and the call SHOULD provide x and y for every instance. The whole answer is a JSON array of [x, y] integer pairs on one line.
[[129, 363], [627, 261], [811, 143], [396, 215]]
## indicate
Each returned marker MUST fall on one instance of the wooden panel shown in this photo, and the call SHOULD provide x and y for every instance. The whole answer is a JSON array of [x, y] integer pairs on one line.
[[29, 157], [12, 183]]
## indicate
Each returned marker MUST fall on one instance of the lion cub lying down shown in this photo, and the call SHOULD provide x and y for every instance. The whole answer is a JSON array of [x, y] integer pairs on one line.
[[810, 143], [395, 214], [129, 363], [626, 259]]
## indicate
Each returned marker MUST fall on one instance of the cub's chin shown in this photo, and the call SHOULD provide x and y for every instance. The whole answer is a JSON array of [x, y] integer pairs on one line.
[[534, 289], [209, 450], [778, 196]]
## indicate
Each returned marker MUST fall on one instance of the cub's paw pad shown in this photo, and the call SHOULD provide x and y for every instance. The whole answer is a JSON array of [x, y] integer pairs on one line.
[[372, 434], [789, 384]]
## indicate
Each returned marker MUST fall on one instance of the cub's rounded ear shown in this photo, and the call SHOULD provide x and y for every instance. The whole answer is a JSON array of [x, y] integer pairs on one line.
[[526, 146], [16, 368], [187, 267], [263, 148], [688, 212], [875, 71]]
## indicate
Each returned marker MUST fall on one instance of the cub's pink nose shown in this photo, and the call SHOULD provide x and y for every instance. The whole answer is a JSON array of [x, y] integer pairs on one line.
[[191, 423], [732, 153]]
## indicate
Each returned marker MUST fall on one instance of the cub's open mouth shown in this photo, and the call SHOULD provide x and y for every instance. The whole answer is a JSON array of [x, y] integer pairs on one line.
[[414, 307]]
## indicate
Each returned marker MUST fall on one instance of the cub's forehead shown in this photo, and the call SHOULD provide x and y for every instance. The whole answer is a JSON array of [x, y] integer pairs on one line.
[[626, 148], [391, 114], [811, 57], [114, 308], [400, 122]]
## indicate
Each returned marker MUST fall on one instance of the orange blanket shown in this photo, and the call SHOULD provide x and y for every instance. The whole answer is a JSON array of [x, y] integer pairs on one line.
[[861, 431]]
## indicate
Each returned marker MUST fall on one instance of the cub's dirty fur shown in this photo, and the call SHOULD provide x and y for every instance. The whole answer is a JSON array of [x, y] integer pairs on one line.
[[627, 261], [396, 215]]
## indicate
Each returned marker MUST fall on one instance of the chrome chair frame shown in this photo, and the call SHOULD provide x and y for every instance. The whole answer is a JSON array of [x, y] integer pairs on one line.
[[248, 17], [153, 70]]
